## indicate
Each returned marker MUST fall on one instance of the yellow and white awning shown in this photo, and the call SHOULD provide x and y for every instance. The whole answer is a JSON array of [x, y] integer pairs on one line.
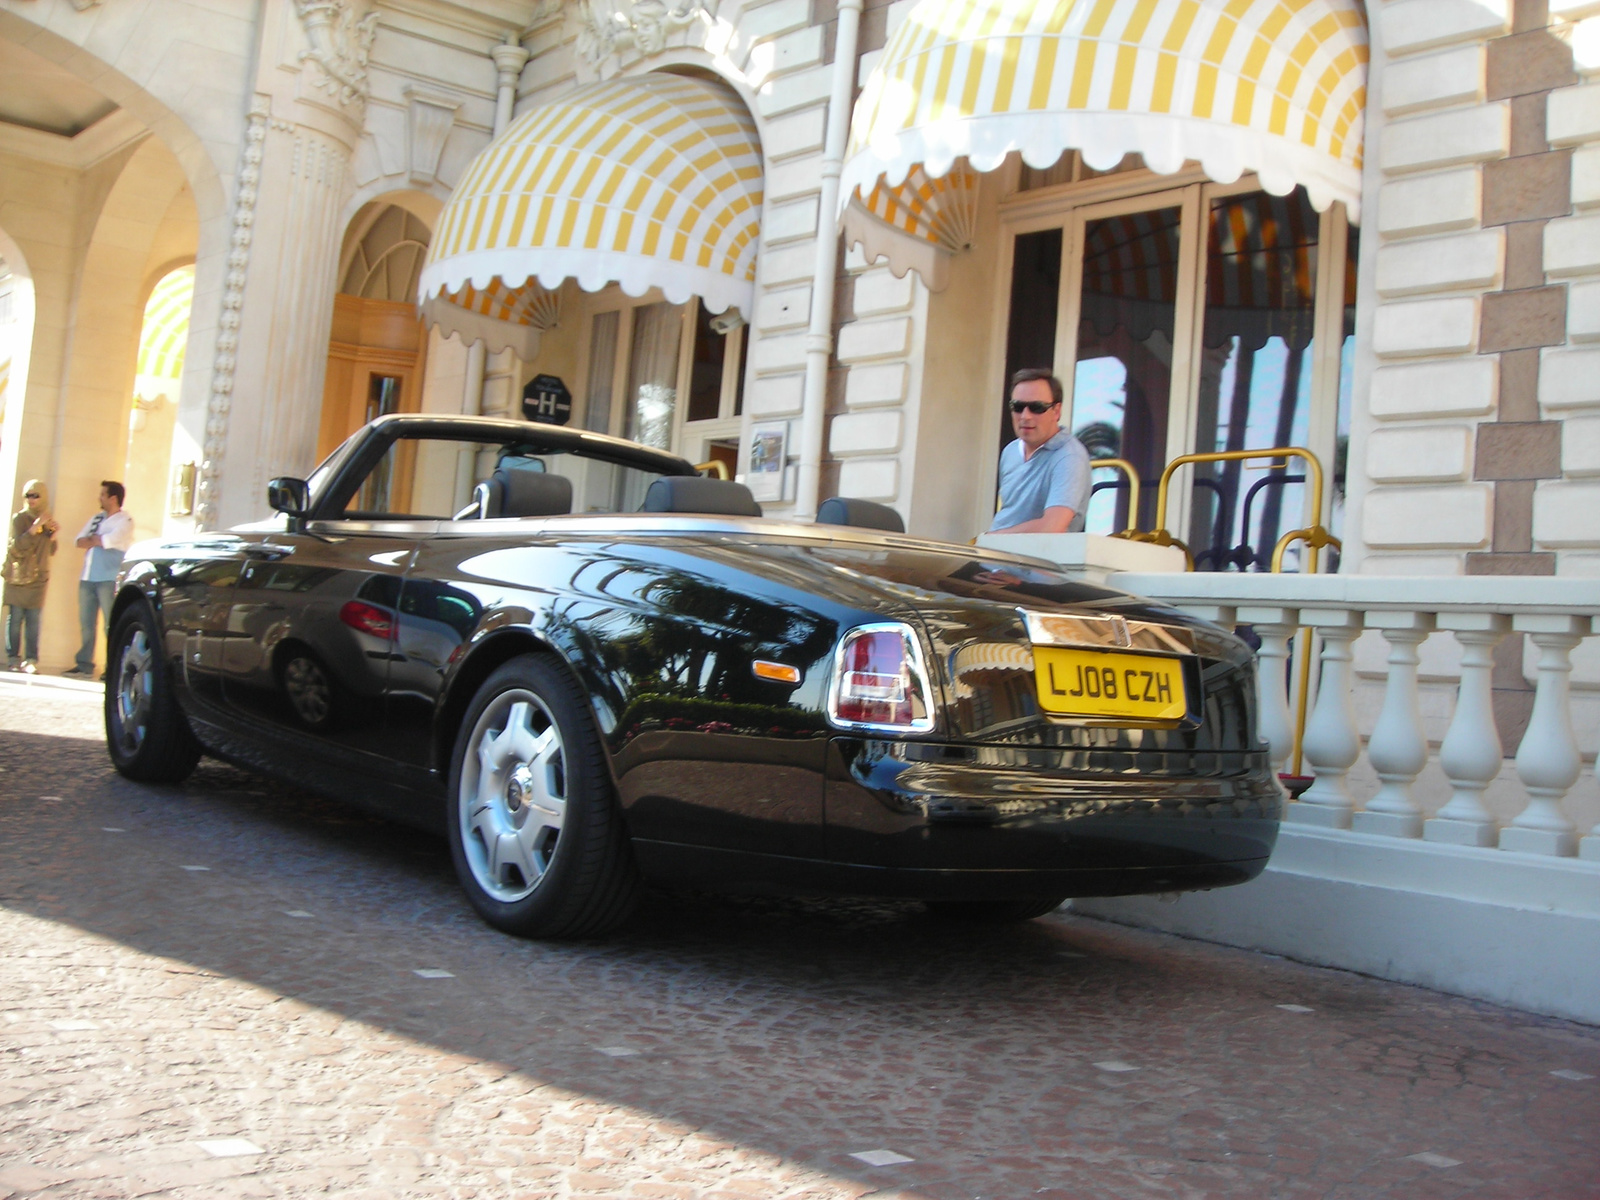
[[651, 181], [164, 333], [1277, 87]]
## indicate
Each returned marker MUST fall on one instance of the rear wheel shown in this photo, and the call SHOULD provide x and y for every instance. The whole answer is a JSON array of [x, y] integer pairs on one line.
[[146, 732], [995, 911], [535, 831]]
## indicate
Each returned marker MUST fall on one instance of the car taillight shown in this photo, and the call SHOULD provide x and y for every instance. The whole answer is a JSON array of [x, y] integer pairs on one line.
[[879, 681], [367, 618]]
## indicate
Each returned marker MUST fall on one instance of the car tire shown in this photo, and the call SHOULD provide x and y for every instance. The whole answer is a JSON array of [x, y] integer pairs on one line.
[[535, 830], [995, 911], [146, 732], [314, 698]]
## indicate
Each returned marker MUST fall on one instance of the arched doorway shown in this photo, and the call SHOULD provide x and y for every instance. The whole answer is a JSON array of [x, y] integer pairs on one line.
[[377, 347], [163, 341]]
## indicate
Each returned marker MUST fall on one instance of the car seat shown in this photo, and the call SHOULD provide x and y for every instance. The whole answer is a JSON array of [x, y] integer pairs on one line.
[[863, 514], [521, 492], [697, 494]]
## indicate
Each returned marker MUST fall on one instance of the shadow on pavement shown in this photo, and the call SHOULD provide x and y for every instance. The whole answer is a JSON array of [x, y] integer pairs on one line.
[[805, 1028]]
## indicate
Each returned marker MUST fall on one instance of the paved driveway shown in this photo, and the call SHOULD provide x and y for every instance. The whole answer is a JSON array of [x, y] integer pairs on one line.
[[233, 990]]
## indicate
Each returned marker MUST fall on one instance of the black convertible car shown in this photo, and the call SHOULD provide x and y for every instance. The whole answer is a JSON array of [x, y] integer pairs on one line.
[[590, 666]]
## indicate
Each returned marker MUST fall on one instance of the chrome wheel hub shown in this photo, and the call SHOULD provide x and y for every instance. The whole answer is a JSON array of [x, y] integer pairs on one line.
[[134, 683], [513, 798]]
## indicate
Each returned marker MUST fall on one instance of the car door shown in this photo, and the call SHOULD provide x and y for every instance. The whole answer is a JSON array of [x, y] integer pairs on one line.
[[196, 593], [311, 632]]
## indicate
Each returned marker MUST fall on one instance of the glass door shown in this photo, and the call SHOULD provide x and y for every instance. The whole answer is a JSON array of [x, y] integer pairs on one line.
[[1101, 298], [1125, 319]]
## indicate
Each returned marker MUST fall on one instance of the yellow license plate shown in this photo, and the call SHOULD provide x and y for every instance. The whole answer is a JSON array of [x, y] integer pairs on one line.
[[1097, 683]]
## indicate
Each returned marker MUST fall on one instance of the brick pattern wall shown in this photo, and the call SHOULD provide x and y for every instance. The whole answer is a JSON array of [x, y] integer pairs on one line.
[[1479, 448]]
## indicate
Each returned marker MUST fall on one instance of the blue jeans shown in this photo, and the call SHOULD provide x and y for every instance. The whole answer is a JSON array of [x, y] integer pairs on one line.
[[22, 629], [94, 609]]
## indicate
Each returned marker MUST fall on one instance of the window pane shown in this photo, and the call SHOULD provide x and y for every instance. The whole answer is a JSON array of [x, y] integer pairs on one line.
[[602, 366], [744, 357], [1255, 375], [1035, 297], [1122, 381], [705, 374], [1347, 366], [653, 373]]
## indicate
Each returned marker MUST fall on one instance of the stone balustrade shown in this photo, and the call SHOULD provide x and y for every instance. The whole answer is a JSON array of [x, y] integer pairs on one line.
[[1478, 613]]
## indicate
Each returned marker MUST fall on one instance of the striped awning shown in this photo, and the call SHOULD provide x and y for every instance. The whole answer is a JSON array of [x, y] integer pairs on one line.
[[1277, 87], [165, 331], [650, 181]]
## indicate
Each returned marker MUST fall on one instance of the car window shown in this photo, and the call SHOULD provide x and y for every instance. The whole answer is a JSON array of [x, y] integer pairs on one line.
[[433, 479]]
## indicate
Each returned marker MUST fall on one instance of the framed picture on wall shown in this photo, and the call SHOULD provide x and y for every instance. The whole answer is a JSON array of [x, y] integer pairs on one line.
[[769, 450]]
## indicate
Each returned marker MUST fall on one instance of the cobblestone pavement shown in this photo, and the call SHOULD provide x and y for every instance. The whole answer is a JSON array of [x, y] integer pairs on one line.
[[233, 990]]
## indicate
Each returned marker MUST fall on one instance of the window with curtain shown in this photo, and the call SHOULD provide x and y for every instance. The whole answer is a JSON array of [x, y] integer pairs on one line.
[[653, 373]]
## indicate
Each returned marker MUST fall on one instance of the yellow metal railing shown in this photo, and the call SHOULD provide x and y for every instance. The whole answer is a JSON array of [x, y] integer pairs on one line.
[[1131, 473], [716, 466], [1315, 536]]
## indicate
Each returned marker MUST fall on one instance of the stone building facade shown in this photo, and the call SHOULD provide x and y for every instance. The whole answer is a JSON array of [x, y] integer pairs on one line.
[[297, 156]]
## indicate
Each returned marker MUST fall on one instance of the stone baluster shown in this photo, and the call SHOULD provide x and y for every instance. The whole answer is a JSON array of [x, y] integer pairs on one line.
[[1332, 743], [1471, 754], [1398, 748], [1547, 760], [1275, 627]]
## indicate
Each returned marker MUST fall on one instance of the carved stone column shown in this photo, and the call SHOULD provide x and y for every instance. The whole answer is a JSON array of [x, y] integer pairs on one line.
[[311, 106]]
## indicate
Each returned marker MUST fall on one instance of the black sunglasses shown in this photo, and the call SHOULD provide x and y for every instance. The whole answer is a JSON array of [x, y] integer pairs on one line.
[[1036, 407], [30, 495]]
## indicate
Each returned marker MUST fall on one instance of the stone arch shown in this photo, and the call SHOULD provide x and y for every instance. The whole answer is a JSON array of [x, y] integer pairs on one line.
[[378, 350], [19, 332], [144, 76]]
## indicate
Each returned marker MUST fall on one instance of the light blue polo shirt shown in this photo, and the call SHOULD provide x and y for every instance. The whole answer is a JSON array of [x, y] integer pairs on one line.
[[1057, 476]]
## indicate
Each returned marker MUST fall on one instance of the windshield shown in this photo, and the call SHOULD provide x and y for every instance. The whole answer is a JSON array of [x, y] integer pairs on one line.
[[436, 478]]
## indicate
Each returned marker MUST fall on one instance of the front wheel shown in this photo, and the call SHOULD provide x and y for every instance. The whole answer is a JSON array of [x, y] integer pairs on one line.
[[146, 732], [535, 831]]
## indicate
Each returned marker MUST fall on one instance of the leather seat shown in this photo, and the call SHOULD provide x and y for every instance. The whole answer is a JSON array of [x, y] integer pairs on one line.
[[522, 492], [697, 494], [863, 514]]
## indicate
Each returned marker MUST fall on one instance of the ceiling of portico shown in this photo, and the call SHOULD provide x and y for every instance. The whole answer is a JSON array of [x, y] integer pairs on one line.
[[37, 94]]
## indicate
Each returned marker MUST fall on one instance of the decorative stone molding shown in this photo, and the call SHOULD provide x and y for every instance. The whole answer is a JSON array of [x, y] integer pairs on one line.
[[340, 45], [609, 27], [222, 370], [430, 117]]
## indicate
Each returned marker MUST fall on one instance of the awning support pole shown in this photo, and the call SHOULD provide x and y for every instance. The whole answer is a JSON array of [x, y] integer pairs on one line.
[[819, 336]]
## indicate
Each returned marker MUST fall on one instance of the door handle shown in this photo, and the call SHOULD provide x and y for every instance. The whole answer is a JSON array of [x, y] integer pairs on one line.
[[267, 550]]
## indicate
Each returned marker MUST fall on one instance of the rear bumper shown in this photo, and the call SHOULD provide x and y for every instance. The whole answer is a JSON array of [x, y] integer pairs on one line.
[[1083, 822]]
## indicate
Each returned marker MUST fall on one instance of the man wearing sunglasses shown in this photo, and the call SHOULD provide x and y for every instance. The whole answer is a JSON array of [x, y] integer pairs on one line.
[[1045, 473]]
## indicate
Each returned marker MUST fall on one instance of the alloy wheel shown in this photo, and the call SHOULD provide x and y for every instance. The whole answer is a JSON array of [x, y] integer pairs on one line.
[[513, 795], [135, 681]]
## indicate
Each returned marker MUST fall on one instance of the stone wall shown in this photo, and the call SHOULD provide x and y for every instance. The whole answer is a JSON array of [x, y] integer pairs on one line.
[[1473, 448]]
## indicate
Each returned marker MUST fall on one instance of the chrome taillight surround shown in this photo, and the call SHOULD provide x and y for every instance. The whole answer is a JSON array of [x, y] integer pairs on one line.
[[911, 681]]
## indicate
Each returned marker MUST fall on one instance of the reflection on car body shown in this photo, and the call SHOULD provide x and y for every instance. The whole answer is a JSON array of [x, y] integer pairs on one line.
[[688, 693]]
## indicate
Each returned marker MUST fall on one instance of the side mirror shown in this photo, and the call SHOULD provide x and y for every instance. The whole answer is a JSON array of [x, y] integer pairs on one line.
[[289, 495]]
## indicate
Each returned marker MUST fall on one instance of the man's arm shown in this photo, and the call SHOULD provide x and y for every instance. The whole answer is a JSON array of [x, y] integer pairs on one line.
[[1056, 519], [119, 536]]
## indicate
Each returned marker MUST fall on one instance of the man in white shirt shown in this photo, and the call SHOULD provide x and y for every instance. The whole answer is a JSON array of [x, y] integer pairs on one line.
[[106, 537]]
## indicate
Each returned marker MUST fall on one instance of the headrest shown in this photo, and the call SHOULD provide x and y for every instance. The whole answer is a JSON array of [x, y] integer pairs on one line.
[[697, 494], [864, 514], [521, 492]]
